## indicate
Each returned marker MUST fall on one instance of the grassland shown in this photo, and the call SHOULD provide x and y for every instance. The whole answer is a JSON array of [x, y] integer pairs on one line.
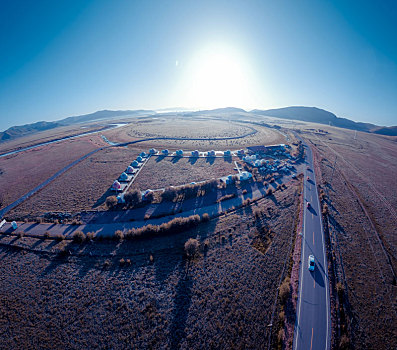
[[21, 172], [83, 187], [176, 171], [223, 298], [188, 128]]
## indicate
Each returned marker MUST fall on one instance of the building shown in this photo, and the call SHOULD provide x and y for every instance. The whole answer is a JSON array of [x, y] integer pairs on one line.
[[116, 186], [135, 164], [130, 170], [124, 177]]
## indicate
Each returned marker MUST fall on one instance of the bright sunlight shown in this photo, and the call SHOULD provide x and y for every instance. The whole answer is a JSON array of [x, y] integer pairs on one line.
[[219, 78]]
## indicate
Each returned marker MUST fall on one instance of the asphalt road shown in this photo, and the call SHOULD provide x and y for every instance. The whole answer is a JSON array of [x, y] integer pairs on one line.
[[313, 324]]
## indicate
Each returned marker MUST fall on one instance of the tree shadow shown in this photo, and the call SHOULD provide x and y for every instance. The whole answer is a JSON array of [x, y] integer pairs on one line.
[[336, 224], [273, 198], [58, 260], [102, 199], [182, 303], [193, 160], [160, 158], [175, 159], [210, 160]]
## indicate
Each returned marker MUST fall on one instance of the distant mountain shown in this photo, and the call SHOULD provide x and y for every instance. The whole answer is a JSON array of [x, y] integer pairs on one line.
[[105, 114], [389, 131], [27, 129], [315, 115], [17, 131], [222, 110], [308, 114]]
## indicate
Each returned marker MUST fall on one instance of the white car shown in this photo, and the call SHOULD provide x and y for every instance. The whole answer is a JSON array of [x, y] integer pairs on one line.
[[311, 263]]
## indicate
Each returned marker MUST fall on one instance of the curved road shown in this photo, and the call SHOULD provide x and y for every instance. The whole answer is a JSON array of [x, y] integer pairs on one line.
[[313, 322], [6, 209]]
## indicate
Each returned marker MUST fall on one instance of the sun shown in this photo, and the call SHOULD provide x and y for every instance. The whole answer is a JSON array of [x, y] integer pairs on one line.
[[219, 78]]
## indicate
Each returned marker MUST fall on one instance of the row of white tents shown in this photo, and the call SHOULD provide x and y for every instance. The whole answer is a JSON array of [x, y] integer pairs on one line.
[[196, 153], [127, 175]]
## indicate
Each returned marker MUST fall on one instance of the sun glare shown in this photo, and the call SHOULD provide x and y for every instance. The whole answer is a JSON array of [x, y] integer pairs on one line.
[[219, 78]]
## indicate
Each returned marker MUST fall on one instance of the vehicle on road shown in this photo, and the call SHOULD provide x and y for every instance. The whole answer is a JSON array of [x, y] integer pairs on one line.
[[308, 178], [311, 263], [308, 205]]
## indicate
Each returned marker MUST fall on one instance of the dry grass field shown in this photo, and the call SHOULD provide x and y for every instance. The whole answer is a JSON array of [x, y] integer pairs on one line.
[[160, 172], [21, 172], [194, 128], [96, 298], [83, 187], [361, 195], [180, 127]]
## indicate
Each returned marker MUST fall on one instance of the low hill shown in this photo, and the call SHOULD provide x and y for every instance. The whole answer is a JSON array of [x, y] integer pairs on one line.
[[17, 131], [28, 129], [104, 114], [388, 131], [315, 115]]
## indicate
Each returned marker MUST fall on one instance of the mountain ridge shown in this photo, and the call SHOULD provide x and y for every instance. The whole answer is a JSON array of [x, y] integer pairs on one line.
[[26, 129], [303, 113], [315, 115]]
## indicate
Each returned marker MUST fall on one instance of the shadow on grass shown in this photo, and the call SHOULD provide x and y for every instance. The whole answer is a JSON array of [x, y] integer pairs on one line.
[[160, 158], [210, 160], [58, 260], [193, 160], [102, 199], [182, 303], [175, 159]]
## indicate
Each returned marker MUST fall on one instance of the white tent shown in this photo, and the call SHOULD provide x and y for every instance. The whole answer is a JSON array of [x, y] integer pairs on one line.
[[116, 185], [130, 170], [123, 177]]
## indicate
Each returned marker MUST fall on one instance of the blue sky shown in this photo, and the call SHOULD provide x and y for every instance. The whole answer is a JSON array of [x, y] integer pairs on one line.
[[62, 58]]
